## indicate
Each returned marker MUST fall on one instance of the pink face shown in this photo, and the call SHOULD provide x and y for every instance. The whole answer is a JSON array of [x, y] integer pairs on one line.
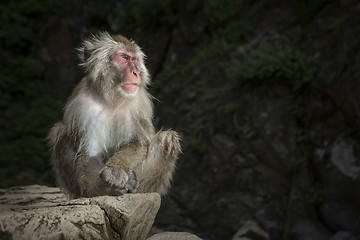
[[128, 63]]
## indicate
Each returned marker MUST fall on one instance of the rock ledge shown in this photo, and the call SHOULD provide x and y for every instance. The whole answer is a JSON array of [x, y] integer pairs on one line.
[[39, 212]]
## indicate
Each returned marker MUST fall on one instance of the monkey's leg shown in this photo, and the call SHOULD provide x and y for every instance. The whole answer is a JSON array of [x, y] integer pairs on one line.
[[156, 170], [63, 160], [88, 169], [119, 169]]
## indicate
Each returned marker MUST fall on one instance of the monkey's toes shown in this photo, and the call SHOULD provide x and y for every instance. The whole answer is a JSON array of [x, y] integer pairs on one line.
[[171, 142]]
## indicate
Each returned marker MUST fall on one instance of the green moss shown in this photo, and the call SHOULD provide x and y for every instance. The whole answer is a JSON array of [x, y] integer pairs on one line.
[[315, 194], [251, 135], [231, 20], [294, 164], [21, 21], [199, 145], [212, 52], [147, 15], [272, 62]]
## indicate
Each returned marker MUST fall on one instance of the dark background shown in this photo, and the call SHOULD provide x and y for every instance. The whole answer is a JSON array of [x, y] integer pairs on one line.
[[266, 95]]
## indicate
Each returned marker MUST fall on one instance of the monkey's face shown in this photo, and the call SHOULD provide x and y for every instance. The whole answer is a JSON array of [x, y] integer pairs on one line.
[[127, 63], [115, 65]]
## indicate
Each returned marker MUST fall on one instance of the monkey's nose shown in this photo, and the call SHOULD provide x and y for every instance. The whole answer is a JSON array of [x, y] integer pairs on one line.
[[135, 73]]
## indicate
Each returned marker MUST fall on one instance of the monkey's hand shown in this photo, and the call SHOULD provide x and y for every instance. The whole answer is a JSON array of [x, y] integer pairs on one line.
[[118, 172], [120, 181]]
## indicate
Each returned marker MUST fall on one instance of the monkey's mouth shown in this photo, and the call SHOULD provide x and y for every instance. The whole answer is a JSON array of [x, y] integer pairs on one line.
[[125, 84], [130, 87]]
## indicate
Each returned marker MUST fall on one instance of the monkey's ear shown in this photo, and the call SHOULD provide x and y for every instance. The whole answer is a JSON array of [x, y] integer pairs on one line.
[[84, 53], [87, 53]]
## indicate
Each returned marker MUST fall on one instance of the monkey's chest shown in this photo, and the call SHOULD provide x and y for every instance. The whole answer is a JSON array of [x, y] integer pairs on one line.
[[108, 133]]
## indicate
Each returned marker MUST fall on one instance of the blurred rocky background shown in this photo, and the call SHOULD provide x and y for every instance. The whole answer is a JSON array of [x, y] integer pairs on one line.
[[266, 95]]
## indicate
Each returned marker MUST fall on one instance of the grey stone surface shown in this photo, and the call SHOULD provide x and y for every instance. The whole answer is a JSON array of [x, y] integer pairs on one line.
[[39, 212], [251, 230], [174, 236]]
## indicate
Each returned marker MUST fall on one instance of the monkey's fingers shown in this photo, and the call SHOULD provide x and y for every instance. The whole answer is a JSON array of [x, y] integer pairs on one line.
[[131, 184], [114, 176], [119, 181]]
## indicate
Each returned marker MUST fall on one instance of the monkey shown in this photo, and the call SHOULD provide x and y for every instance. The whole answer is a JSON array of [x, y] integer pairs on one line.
[[106, 143]]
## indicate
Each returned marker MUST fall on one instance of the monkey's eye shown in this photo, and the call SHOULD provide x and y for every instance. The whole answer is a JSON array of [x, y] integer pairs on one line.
[[134, 60], [124, 56]]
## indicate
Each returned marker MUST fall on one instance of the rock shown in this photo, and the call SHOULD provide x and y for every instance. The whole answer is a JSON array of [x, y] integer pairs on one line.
[[344, 157], [174, 236], [306, 229], [337, 168], [39, 212], [339, 216], [252, 231], [17, 199], [342, 235]]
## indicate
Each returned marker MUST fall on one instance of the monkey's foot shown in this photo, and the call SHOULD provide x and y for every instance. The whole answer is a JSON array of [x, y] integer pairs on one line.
[[120, 181], [170, 141]]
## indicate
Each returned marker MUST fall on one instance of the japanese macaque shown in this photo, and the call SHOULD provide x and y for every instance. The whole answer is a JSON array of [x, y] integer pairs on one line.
[[106, 143]]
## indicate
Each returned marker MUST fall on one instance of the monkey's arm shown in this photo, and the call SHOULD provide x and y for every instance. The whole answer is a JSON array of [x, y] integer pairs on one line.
[[128, 156], [144, 168], [118, 171]]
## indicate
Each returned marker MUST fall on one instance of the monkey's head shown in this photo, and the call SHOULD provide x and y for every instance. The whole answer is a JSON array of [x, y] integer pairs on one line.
[[115, 65]]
